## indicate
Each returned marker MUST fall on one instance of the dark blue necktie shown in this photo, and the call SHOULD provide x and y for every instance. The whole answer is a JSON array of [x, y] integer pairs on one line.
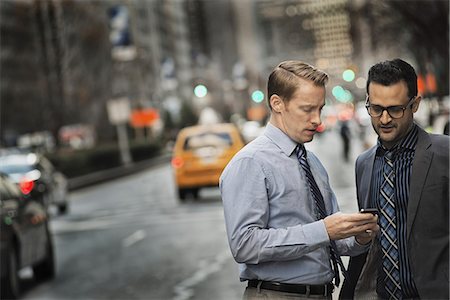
[[390, 278], [321, 211]]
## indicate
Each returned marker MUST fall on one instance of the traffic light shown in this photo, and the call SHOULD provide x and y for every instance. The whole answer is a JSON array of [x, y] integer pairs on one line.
[[348, 75], [200, 91], [257, 96], [341, 94]]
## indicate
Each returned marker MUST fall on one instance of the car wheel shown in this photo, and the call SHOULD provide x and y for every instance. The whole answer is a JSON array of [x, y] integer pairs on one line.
[[10, 285], [182, 194], [45, 269], [195, 193]]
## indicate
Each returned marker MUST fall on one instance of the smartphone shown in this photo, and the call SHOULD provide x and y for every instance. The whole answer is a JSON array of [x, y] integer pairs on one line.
[[372, 211]]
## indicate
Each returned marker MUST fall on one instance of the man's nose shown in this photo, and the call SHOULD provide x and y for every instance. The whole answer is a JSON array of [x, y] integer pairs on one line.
[[385, 117], [316, 119]]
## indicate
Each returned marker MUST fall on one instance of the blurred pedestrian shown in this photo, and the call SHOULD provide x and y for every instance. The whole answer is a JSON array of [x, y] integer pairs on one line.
[[282, 218], [345, 137], [406, 176]]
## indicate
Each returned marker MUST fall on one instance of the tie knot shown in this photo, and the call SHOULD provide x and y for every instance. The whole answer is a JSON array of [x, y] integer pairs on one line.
[[389, 156], [301, 151]]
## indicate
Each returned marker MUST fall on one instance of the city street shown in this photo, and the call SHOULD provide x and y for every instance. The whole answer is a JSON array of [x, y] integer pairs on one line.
[[130, 238], [98, 96]]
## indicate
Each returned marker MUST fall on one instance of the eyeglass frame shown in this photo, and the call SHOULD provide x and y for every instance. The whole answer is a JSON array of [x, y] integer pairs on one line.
[[410, 103]]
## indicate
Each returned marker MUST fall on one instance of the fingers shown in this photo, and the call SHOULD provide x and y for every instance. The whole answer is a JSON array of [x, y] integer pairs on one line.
[[350, 228], [355, 220], [367, 228], [341, 225], [358, 219], [362, 217], [365, 238], [354, 217]]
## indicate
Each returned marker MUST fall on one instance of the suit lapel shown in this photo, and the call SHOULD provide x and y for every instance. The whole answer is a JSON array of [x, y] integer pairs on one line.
[[420, 168], [366, 177]]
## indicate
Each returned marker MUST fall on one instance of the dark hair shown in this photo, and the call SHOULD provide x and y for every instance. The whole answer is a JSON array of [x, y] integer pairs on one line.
[[392, 71], [283, 81]]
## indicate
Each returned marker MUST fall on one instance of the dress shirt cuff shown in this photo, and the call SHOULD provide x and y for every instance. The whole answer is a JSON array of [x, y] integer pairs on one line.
[[351, 247], [316, 233], [359, 248], [359, 244]]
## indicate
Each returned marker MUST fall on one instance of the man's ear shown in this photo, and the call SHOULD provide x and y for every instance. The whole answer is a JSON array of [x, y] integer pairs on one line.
[[276, 103], [416, 103]]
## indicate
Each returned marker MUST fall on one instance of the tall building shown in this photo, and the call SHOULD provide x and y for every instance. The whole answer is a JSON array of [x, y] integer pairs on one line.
[[80, 51], [55, 66], [317, 31], [215, 65], [23, 86]]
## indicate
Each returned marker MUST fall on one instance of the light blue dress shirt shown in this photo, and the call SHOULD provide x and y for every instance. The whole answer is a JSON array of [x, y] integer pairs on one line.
[[269, 213]]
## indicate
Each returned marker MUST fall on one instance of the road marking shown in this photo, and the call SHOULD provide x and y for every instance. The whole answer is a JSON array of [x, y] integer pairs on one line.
[[185, 289], [134, 238], [60, 226]]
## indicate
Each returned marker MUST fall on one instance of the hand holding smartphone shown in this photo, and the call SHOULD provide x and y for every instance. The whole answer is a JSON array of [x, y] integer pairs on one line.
[[369, 210]]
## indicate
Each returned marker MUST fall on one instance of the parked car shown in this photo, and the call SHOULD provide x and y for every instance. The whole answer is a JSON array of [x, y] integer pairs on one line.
[[201, 153], [25, 238], [36, 175]]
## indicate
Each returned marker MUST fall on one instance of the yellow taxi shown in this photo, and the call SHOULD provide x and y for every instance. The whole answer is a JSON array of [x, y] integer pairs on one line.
[[201, 153]]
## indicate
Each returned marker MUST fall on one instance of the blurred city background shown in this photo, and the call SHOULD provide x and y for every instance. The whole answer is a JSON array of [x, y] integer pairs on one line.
[[102, 88]]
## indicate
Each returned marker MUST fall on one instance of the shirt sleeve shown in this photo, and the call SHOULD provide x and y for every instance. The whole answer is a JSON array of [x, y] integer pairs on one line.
[[243, 187], [351, 247], [348, 246]]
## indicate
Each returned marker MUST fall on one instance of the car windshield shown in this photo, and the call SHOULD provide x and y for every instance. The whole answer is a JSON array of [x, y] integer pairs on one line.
[[208, 139]]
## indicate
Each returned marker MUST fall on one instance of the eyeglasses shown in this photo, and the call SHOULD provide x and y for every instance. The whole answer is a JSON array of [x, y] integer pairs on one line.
[[396, 112]]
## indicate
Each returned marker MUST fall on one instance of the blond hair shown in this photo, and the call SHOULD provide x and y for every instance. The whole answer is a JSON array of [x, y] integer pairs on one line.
[[283, 81]]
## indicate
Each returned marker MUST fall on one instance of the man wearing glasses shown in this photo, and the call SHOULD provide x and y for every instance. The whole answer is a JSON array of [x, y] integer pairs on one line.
[[406, 177]]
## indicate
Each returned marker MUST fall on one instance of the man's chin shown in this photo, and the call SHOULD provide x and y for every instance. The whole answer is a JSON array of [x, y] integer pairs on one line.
[[308, 139], [387, 139]]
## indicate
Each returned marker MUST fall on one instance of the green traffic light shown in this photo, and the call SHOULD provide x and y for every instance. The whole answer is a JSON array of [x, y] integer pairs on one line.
[[200, 91], [341, 94], [348, 75], [258, 96], [338, 91]]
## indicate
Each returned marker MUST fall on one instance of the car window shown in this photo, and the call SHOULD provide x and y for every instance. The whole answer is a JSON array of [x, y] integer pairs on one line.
[[209, 139]]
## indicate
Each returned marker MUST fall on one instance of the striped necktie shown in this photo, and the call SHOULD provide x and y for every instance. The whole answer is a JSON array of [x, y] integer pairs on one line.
[[390, 275], [321, 211]]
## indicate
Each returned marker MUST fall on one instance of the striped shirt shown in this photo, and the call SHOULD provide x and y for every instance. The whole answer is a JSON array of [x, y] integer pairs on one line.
[[403, 158]]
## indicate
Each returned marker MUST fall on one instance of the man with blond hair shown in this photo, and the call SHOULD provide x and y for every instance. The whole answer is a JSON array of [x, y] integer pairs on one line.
[[283, 222]]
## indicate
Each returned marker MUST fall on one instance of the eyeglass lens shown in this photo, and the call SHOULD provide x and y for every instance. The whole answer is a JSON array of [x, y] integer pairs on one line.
[[393, 111]]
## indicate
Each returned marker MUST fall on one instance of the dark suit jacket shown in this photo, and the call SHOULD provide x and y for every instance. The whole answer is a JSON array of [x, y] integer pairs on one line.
[[427, 217]]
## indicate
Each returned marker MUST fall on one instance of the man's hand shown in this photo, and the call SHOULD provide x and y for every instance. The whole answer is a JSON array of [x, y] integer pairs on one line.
[[363, 226]]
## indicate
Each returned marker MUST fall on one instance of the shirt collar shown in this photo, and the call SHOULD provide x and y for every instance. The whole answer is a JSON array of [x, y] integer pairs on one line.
[[407, 143], [281, 139]]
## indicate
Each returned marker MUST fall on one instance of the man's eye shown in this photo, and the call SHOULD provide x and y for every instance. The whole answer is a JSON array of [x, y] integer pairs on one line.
[[376, 108], [307, 109]]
